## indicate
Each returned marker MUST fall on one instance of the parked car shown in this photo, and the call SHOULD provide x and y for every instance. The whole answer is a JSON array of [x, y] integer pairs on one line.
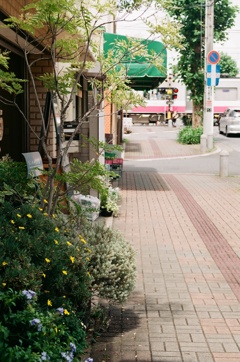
[[229, 122]]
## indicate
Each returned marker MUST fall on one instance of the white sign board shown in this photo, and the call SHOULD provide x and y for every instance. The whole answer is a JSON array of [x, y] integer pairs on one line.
[[34, 163]]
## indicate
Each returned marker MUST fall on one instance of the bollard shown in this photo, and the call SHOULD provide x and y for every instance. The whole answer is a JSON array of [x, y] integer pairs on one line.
[[170, 123], [203, 143], [224, 160]]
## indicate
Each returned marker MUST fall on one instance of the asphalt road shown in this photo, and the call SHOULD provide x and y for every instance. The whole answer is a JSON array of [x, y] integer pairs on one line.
[[203, 164]]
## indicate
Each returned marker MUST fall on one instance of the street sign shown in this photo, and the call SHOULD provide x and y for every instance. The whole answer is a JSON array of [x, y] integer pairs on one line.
[[213, 74], [213, 57]]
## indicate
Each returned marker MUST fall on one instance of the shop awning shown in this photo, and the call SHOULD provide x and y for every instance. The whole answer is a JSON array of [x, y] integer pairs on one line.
[[142, 74]]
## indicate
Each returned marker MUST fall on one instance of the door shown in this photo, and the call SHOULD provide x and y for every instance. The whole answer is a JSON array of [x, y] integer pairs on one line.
[[14, 140]]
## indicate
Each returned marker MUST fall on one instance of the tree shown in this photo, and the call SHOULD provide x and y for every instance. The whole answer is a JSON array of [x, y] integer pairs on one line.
[[190, 14], [64, 32], [228, 66]]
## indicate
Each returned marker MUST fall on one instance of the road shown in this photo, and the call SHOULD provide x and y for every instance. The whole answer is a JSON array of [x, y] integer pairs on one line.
[[199, 164]]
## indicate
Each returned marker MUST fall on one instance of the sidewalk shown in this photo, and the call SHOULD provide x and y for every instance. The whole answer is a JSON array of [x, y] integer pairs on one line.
[[157, 146], [186, 304]]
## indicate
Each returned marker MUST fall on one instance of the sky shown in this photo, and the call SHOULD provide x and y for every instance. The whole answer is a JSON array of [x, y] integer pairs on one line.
[[230, 47]]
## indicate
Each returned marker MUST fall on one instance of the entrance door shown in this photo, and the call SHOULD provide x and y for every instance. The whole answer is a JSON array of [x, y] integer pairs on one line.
[[14, 137]]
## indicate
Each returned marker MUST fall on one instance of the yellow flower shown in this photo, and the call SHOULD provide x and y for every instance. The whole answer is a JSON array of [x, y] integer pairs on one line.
[[64, 272], [49, 302], [21, 227], [12, 221], [83, 241], [87, 259], [4, 284], [45, 214], [56, 242], [68, 242], [72, 259], [29, 216], [44, 275], [64, 296], [66, 312], [89, 250], [18, 215], [57, 230], [47, 260], [40, 209], [88, 274], [56, 330], [4, 263], [53, 216], [46, 201]]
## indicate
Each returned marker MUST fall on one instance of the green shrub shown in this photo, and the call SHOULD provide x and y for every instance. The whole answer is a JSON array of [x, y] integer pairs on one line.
[[111, 258], [189, 135], [36, 255], [65, 260], [112, 263], [27, 333], [15, 186]]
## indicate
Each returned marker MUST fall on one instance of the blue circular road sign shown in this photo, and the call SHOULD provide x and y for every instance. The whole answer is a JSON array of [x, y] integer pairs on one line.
[[213, 57]]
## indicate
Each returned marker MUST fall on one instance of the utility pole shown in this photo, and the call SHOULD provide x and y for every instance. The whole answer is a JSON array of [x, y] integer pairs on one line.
[[208, 90]]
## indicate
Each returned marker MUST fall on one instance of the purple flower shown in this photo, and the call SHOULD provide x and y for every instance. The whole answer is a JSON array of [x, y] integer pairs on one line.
[[73, 347], [89, 359], [60, 310], [44, 356], [68, 356], [35, 321], [29, 294]]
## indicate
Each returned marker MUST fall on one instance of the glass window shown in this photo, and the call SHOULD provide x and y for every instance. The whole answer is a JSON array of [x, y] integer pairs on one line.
[[236, 113]]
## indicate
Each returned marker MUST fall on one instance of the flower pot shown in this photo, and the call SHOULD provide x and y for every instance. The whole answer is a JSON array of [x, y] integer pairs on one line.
[[104, 212]]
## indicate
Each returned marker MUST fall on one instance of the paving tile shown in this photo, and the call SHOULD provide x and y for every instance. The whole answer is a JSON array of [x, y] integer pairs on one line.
[[205, 357], [194, 347]]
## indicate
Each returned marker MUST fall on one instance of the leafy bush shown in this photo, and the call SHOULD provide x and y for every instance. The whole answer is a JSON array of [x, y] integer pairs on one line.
[[187, 120], [189, 135], [112, 263], [14, 184], [27, 333], [111, 258], [64, 260], [36, 255]]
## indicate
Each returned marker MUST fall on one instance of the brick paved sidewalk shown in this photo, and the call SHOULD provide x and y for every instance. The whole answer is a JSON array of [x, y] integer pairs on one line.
[[186, 304], [156, 146]]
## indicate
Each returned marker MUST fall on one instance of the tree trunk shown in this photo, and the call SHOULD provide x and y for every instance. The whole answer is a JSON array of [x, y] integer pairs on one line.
[[196, 115]]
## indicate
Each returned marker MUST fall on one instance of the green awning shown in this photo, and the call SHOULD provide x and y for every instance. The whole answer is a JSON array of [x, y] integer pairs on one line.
[[142, 74]]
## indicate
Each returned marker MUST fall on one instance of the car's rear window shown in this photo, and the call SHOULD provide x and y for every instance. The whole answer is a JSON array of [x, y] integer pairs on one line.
[[236, 113]]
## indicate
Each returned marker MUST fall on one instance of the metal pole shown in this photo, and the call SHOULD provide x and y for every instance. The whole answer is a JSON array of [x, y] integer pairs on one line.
[[208, 91]]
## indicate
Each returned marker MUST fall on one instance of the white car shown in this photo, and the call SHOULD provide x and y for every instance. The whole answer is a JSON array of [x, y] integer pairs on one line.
[[229, 122]]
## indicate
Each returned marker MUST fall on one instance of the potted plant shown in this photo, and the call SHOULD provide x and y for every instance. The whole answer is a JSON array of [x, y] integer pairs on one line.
[[109, 201]]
